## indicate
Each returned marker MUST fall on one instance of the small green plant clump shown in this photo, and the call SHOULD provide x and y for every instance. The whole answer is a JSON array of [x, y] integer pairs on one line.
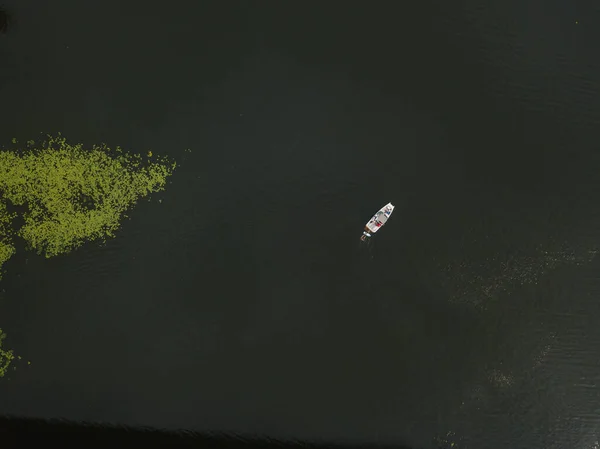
[[6, 357], [71, 194]]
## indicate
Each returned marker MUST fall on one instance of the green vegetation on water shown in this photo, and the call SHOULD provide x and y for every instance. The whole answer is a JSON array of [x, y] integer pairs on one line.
[[5, 356], [69, 195], [7, 248]]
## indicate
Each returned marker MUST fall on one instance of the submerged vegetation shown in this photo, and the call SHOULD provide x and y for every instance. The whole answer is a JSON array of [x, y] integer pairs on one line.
[[69, 194], [5, 19]]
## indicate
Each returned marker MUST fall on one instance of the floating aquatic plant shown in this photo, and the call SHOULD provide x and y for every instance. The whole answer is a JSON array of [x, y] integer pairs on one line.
[[7, 249], [71, 194], [5, 356]]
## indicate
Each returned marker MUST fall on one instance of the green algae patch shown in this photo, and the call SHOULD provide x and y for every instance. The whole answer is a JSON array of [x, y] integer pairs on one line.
[[6, 357], [70, 194], [7, 249]]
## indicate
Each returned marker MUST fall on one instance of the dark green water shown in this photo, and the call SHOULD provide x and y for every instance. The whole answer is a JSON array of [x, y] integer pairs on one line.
[[243, 301]]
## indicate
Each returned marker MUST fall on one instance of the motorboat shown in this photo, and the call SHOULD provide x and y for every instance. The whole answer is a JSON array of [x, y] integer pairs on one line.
[[378, 220]]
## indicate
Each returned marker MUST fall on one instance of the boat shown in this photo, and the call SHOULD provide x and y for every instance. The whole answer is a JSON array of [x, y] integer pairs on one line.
[[378, 220]]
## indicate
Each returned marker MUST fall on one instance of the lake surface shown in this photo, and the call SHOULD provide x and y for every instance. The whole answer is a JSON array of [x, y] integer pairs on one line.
[[243, 301]]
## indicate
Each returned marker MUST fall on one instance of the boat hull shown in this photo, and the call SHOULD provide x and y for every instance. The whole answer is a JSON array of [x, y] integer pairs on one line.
[[378, 220]]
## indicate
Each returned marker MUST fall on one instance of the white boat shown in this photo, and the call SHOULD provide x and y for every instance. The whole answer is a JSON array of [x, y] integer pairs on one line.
[[378, 220]]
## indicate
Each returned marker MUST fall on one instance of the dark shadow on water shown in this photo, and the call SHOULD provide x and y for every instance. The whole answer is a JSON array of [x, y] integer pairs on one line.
[[5, 19], [19, 432]]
